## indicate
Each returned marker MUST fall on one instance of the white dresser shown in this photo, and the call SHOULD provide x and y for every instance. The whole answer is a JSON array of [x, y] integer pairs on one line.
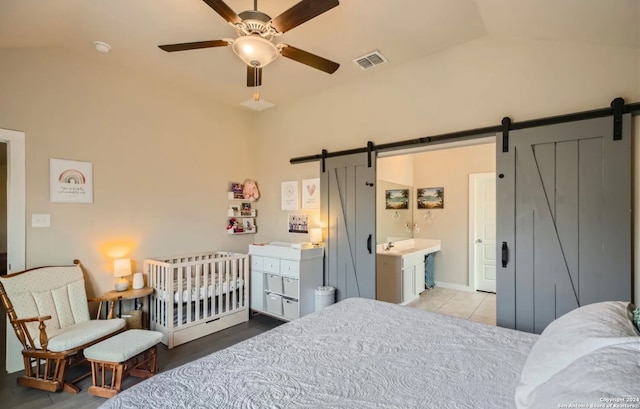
[[284, 279]]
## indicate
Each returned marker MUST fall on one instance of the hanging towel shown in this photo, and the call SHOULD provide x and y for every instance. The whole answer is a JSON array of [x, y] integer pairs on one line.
[[428, 270]]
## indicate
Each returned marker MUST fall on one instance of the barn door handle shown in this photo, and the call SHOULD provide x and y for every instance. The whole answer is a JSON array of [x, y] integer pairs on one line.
[[369, 244], [505, 254]]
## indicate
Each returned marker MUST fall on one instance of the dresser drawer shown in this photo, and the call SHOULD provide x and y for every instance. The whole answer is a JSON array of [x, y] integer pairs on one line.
[[271, 265], [257, 263], [290, 268]]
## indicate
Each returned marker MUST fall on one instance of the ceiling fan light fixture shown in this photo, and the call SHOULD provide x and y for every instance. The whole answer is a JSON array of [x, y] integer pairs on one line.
[[255, 50]]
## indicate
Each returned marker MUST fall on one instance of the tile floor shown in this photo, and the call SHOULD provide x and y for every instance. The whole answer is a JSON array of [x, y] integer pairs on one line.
[[474, 306]]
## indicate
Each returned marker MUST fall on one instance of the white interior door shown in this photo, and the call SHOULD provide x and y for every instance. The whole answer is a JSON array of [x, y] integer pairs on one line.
[[482, 237], [16, 209]]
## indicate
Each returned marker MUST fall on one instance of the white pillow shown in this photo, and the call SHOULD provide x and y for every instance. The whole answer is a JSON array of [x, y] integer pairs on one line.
[[571, 336], [601, 378]]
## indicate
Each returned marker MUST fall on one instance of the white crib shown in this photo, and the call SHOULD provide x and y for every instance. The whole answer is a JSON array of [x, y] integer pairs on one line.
[[197, 294]]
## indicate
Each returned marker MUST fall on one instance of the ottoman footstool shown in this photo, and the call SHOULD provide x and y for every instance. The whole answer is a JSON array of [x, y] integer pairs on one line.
[[132, 352]]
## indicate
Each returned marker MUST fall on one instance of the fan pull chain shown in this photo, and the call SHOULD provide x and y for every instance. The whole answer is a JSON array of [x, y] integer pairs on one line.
[[256, 95]]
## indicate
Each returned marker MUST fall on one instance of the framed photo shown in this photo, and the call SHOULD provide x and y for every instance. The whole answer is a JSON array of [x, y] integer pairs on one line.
[[234, 211], [298, 223], [248, 224], [311, 193], [245, 209], [290, 195], [396, 199], [70, 181], [430, 198], [236, 189]]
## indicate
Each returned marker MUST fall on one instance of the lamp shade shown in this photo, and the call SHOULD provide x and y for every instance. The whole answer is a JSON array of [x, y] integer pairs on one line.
[[315, 235], [254, 50], [122, 267]]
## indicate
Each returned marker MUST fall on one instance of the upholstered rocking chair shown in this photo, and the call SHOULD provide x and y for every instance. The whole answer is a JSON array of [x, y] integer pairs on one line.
[[48, 309]]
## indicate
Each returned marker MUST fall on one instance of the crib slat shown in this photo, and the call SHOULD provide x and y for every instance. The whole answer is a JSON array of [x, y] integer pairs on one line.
[[234, 280], [201, 291], [209, 289], [219, 287], [228, 285], [179, 290]]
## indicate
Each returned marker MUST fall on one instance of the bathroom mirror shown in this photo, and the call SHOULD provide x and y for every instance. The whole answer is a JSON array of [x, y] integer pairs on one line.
[[394, 173], [394, 211]]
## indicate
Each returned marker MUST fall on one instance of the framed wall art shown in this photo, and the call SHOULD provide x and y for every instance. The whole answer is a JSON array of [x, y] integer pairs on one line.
[[311, 193], [430, 198], [70, 181], [396, 199], [298, 223], [290, 195]]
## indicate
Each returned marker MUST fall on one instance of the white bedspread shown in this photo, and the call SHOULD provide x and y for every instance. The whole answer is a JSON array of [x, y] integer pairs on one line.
[[357, 353]]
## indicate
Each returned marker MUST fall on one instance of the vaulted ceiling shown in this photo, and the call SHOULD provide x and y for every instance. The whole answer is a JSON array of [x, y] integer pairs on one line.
[[402, 30]]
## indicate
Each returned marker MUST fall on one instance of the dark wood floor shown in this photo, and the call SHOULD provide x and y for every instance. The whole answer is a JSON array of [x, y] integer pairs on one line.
[[18, 397]]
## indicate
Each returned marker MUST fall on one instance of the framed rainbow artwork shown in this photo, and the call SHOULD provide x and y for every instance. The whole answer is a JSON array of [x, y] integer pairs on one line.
[[70, 181]]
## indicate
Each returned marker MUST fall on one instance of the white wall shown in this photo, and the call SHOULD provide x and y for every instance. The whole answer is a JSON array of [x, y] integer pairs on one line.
[[162, 159], [396, 169]]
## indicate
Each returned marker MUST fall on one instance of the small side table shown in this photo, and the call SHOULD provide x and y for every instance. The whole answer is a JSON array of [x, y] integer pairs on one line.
[[130, 294]]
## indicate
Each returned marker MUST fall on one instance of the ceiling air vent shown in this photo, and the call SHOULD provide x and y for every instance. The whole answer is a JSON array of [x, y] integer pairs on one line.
[[370, 60]]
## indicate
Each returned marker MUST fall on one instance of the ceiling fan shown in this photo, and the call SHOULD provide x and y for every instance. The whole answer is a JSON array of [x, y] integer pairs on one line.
[[256, 31]]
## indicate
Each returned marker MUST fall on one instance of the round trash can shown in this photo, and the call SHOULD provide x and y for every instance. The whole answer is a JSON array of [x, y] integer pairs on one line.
[[325, 296]]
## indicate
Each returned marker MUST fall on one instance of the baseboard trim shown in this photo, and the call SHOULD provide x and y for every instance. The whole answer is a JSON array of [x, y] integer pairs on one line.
[[454, 286]]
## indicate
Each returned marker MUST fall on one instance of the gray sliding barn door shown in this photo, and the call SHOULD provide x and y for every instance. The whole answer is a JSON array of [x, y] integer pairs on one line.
[[348, 204], [563, 220]]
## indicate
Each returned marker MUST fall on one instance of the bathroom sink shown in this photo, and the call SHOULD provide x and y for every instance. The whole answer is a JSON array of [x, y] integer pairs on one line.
[[409, 246]]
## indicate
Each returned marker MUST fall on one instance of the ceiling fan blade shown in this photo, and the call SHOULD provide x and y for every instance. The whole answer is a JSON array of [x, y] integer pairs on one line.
[[194, 46], [309, 59], [254, 76], [225, 11], [301, 12]]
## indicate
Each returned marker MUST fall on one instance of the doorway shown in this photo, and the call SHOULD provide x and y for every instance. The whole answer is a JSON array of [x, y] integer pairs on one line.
[[14, 218], [448, 167]]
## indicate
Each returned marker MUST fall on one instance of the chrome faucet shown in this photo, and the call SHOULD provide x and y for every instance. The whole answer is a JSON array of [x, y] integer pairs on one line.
[[389, 246]]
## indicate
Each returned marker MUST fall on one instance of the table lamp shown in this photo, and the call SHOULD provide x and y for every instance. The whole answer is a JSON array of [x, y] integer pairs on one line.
[[315, 235], [121, 269]]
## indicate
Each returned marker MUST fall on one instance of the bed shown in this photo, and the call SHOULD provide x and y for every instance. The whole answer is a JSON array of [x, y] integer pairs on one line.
[[197, 294], [362, 353]]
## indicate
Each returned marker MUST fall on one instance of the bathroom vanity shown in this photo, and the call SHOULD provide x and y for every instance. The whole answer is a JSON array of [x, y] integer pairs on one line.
[[400, 269]]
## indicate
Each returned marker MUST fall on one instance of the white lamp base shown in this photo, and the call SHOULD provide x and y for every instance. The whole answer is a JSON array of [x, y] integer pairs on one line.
[[122, 284]]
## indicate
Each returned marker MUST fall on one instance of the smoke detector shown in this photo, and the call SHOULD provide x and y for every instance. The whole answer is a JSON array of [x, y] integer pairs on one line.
[[101, 47]]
